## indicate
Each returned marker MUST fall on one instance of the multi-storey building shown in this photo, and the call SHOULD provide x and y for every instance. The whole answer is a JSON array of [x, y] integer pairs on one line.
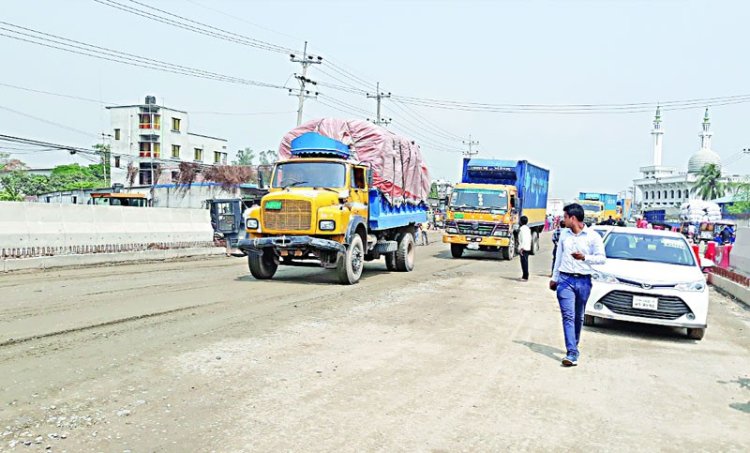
[[154, 140]]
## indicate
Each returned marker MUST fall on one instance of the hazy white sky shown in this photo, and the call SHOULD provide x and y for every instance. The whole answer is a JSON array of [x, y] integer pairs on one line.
[[521, 52]]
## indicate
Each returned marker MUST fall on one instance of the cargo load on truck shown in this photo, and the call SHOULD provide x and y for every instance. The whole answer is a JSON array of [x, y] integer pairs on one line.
[[399, 172]]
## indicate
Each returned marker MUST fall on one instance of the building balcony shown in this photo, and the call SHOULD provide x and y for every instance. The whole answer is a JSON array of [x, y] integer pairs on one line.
[[149, 154]]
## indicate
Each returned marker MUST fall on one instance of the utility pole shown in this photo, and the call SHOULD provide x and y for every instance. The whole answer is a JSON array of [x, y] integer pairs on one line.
[[105, 151], [471, 143], [379, 96], [303, 93]]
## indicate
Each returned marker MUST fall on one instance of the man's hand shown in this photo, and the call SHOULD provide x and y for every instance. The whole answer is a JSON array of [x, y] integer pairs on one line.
[[578, 256], [552, 285]]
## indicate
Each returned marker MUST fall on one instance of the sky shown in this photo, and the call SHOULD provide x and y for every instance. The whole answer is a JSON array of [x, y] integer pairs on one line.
[[514, 52]]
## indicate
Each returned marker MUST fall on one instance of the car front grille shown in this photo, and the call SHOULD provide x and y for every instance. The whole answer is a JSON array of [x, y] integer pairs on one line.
[[621, 302], [294, 215], [477, 229]]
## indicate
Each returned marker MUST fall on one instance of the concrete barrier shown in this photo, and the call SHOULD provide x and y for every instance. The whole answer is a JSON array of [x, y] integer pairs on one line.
[[740, 256], [40, 229]]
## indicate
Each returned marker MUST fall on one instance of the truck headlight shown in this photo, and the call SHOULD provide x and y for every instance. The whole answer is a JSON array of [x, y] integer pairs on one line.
[[327, 225], [451, 230], [251, 224], [500, 233], [696, 286], [603, 277]]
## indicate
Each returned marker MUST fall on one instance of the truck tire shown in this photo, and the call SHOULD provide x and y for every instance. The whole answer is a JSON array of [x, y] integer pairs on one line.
[[457, 250], [509, 252], [390, 261], [405, 253], [262, 266], [350, 266], [534, 243]]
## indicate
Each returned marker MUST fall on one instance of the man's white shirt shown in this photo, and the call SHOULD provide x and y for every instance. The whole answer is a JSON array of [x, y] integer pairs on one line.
[[588, 242]]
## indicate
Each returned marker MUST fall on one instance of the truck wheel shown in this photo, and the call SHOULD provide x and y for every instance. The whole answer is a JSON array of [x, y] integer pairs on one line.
[[350, 266], [509, 252], [405, 253], [263, 267], [534, 243], [457, 250], [390, 261]]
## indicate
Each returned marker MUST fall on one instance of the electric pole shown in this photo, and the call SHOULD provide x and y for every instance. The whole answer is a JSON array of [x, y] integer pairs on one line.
[[471, 143], [379, 96], [303, 93]]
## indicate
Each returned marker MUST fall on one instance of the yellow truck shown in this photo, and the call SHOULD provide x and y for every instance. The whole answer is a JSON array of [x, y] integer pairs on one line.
[[593, 211], [326, 208], [486, 207]]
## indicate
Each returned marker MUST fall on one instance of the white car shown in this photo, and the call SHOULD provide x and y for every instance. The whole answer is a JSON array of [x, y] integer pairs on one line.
[[651, 277], [603, 230]]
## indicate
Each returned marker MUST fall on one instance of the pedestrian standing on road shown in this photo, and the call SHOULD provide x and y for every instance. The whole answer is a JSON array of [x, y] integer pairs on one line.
[[555, 240], [524, 247], [579, 247], [423, 234]]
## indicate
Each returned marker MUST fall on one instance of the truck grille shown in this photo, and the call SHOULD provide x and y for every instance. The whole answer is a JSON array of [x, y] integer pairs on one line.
[[477, 229], [621, 302], [294, 215]]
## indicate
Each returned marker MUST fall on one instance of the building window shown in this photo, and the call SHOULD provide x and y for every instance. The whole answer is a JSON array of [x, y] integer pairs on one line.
[[672, 194], [652, 195], [198, 154], [224, 157], [157, 149], [665, 194], [176, 124], [144, 121], [117, 161], [74, 199], [646, 193], [157, 121], [117, 134], [679, 194], [175, 175], [218, 157], [176, 151]]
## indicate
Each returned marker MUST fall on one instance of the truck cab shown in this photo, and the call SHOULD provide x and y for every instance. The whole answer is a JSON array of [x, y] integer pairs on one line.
[[593, 211], [321, 208]]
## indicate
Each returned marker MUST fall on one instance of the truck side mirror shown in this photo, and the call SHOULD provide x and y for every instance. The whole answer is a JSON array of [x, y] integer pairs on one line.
[[513, 202]]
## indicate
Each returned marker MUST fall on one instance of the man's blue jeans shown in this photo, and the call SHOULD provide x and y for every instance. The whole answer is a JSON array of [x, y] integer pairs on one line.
[[572, 295]]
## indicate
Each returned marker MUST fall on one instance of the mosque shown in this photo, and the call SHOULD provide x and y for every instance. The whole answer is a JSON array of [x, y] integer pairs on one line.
[[662, 187]]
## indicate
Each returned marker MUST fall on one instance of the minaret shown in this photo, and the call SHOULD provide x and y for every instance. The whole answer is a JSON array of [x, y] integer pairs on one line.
[[706, 134], [658, 134]]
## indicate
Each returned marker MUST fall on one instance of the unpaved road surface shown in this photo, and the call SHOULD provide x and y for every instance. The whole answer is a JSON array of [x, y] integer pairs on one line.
[[455, 356]]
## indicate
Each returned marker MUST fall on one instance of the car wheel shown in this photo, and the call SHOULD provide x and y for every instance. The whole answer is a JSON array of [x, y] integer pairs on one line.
[[588, 320], [696, 334]]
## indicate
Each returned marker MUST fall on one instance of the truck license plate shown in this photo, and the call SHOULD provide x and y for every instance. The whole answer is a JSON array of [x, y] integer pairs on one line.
[[645, 303], [473, 246]]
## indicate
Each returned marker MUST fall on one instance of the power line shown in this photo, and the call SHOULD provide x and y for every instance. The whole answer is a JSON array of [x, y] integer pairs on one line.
[[470, 152], [82, 48], [379, 96], [42, 120], [303, 93]]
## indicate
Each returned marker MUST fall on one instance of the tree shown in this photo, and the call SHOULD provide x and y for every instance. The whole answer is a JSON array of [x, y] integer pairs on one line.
[[268, 157], [19, 184], [434, 191], [74, 177], [244, 157], [104, 151], [709, 185], [8, 164]]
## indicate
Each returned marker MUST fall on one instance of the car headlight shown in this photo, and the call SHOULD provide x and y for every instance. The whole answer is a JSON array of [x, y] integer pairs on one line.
[[451, 230], [696, 286], [251, 224], [327, 225], [603, 277]]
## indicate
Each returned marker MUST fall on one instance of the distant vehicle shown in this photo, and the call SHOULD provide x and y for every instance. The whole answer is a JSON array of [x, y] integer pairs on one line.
[[650, 277], [609, 204], [603, 230], [118, 199], [593, 211], [227, 219], [486, 208], [708, 231]]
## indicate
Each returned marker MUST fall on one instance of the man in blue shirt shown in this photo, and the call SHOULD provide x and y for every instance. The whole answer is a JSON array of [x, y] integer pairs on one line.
[[578, 248]]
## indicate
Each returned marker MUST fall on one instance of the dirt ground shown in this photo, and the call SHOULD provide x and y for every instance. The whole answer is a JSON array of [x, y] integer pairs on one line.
[[455, 356]]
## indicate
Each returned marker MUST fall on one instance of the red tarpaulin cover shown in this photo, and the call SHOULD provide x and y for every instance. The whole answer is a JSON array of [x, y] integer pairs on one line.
[[399, 171]]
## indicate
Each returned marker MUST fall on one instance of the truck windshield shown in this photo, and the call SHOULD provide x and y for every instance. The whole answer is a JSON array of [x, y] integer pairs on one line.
[[591, 207], [496, 200], [309, 174]]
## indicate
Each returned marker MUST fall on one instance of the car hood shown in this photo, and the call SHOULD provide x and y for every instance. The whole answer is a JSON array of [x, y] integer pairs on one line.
[[650, 272]]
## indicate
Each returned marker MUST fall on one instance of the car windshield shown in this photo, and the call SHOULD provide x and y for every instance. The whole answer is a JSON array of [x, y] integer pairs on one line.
[[647, 247], [496, 200], [601, 232], [591, 207], [309, 174]]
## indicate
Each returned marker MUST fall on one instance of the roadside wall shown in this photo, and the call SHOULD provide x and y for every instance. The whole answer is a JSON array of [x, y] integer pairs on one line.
[[739, 258], [40, 229]]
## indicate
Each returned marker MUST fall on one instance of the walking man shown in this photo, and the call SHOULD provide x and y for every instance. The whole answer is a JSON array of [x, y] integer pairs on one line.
[[524, 247], [579, 247]]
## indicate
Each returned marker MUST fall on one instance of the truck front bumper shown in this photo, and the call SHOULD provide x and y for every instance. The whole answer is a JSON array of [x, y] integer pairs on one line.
[[279, 244], [489, 241]]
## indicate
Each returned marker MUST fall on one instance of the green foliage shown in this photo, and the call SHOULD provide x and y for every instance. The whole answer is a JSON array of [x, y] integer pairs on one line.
[[268, 157], [244, 157], [708, 186], [74, 177], [741, 204], [433, 191]]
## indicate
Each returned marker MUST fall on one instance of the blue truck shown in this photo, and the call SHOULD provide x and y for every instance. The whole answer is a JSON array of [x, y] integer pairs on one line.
[[486, 207]]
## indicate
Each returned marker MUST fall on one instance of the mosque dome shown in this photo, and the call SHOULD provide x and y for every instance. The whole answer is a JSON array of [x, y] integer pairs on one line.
[[702, 158]]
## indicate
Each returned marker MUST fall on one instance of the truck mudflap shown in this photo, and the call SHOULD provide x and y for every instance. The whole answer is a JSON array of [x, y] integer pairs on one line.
[[258, 245]]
